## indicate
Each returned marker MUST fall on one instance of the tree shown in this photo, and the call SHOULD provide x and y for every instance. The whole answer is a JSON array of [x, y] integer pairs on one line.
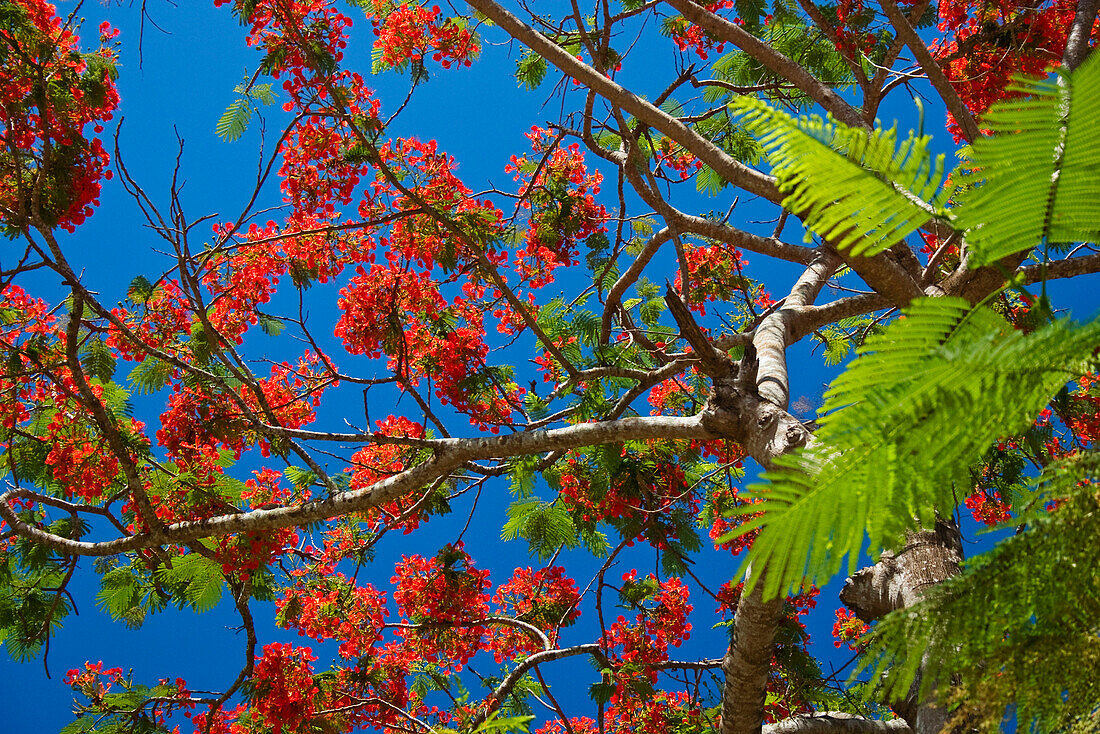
[[652, 398]]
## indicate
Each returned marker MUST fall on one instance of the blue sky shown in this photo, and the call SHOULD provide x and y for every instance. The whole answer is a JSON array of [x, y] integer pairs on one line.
[[181, 87]]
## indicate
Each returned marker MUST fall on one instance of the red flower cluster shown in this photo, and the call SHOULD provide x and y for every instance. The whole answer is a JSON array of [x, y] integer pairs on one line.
[[284, 693], [79, 457], [643, 487], [332, 608], [673, 156], [717, 273], [991, 40], [442, 597], [44, 149], [689, 36], [378, 461], [987, 507], [546, 598], [93, 681], [848, 629], [412, 32], [162, 323], [723, 501], [559, 192], [1084, 417], [639, 645]]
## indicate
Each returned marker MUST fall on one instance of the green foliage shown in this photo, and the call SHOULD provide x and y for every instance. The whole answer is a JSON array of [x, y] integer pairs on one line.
[[521, 471], [270, 325], [839, 338], [1020, 625], [892, 448], [530, 69], [234, 121], [1036, 180], [194, 581], [505, 724], [32, 603], [97, 359], [140, 290], [860, 189], [299, 477], [150, 375], [127, 708], [790, 35], [546, 526], [129, 593], [122, 595]]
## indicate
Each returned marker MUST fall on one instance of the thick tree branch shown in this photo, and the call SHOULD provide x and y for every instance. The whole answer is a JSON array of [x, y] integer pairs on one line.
[[836, 722], [808, 319], [885, 276], [450, 454], [773, 335], [1069, 268], [748, 663], [1077, 44], [898, 581], [713, 362], [724, 233]]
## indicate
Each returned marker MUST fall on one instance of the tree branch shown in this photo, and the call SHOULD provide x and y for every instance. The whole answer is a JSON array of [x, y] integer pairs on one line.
[[719, 27], [449, 455], [1077, 44], [1069, 268], [836, 722], [724, 164], [935, 74], [512, 678], [773, 335]]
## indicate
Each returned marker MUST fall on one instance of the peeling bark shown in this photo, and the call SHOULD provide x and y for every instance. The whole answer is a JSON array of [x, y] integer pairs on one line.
[[835, 722], [898, 581]]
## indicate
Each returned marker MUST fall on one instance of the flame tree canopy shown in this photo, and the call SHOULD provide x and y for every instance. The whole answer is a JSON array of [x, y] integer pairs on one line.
[[585, 363]]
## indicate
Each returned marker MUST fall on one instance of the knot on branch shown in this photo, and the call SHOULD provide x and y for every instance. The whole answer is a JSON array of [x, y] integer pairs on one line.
[[899, 579]]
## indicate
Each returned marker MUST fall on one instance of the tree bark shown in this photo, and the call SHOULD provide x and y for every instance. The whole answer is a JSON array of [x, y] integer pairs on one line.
[[749, 406], [898, 581], [836, 722]]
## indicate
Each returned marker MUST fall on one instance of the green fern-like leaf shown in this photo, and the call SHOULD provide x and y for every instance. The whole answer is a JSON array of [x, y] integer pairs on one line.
[[234, 121], [300, 477], [270, 325], [150, 375], [530, 70], [120, 596], [860, 189], [891, 446], [1039, 175], [262, 93], [200, 581], [505, 724], [545, 525], [97, 359], [140, 290]]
